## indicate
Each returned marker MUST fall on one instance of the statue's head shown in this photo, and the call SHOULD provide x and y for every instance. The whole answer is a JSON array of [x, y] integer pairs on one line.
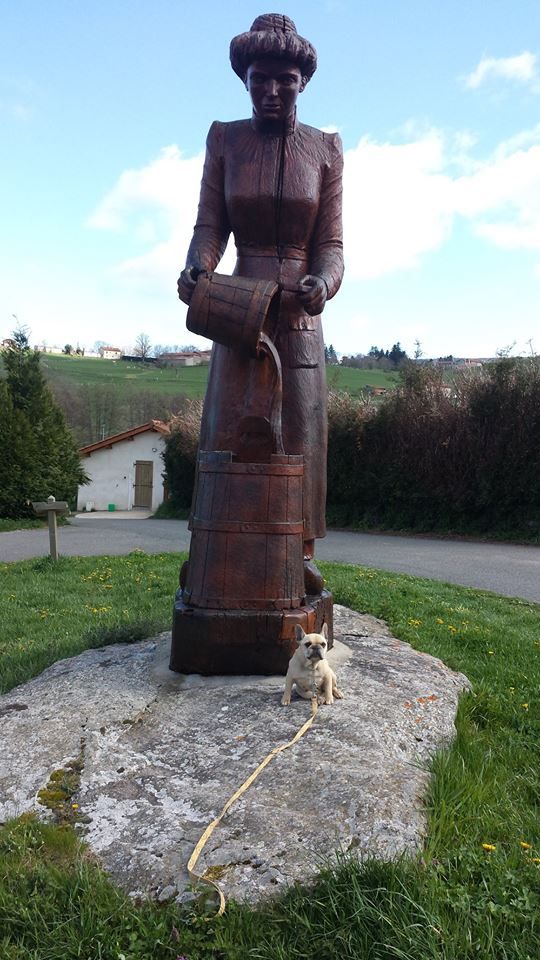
[[275, 64], [273, 35]]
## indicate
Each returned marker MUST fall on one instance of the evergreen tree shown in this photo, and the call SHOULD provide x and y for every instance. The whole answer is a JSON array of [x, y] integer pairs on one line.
[[396, 355], [38, 455]]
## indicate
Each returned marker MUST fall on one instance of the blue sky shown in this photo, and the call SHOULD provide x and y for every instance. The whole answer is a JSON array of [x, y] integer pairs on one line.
[[104, 110]]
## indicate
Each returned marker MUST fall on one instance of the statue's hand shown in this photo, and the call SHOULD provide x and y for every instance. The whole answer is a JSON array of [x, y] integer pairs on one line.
[[312, 293], [186, 283]]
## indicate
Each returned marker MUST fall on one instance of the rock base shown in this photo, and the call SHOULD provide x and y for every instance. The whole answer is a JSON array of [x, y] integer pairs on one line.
[[162, 752]]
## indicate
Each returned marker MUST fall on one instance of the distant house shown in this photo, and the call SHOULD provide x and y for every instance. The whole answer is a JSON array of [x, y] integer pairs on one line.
[[185, 359], [458, 363], [110, 353], [125, 470]]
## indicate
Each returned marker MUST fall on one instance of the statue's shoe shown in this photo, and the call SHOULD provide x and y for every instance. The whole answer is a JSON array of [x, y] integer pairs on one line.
[[313, 579]]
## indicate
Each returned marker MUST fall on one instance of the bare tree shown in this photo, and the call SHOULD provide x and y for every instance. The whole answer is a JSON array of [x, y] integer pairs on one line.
[[143, 347]]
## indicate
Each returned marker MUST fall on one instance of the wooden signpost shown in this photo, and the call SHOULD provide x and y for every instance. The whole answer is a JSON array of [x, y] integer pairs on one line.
[[51, 508]]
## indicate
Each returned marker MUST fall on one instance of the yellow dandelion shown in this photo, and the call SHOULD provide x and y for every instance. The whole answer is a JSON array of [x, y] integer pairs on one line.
[[535, 859], [525, 706], [524, 845], [438, 620], [452, 628], [414, 622], [489, 847], [74, 806]]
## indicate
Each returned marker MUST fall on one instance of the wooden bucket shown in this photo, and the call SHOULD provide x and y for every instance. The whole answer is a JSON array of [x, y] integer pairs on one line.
[[247, 534], [234, 311]]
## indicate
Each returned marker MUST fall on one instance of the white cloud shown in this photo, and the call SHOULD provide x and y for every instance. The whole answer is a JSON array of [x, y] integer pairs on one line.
[[168, 184], [400, 203], [401, 200], [157, 204], [521, 69], [397, 204], [502, 199]]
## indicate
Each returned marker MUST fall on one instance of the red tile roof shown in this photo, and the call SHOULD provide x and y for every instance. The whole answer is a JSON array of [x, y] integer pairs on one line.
[[158, 426]]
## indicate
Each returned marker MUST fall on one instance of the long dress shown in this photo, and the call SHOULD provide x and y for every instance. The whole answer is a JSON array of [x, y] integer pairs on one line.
[[281, 198]]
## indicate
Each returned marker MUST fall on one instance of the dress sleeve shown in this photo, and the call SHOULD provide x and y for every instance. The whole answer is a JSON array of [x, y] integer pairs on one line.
[[327, 242], [212, 228]]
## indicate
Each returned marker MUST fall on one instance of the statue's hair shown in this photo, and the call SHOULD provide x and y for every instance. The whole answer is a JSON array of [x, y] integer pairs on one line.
[[272, 35]]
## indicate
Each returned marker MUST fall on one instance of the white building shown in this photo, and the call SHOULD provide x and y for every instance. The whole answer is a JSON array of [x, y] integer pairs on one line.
[[126, 470], [110, 353], [185, 359]]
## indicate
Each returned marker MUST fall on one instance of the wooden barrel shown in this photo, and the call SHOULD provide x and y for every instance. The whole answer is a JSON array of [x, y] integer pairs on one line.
[[234, 311], [247, 532]]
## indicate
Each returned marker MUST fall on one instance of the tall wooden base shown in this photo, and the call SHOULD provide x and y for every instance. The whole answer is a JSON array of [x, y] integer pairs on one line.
[[242, 642]]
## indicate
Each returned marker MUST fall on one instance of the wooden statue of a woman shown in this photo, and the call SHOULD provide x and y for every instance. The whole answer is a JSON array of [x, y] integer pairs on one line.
[[275, 184]]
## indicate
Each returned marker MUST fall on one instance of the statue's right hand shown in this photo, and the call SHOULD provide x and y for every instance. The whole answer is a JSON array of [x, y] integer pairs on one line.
[[186, 283]]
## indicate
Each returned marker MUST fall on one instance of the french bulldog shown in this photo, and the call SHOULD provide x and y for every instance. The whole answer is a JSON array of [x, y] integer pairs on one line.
[[309, 669]]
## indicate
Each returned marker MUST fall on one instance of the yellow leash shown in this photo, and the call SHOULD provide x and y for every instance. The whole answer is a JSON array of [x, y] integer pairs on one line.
[[197, 877]]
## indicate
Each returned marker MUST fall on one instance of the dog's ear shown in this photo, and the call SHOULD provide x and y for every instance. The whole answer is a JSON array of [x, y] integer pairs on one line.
[[298, 633], [324, 631]]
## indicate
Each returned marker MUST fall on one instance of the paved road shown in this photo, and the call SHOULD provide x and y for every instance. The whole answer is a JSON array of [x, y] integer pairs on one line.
[[504, 568]]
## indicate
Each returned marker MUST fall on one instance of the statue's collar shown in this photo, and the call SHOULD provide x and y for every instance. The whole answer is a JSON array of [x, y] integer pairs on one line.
[[274, 128]]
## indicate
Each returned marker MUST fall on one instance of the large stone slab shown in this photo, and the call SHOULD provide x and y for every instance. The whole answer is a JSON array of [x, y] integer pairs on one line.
[[162, 753]]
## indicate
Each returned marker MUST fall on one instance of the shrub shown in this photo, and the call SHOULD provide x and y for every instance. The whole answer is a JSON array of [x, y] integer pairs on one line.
[[431, 456], [180, 454], [38, 455], [348, 418], [465, 457]]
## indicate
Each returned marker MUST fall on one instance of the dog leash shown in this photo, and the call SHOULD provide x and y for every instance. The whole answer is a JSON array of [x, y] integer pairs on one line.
[[201, 878]]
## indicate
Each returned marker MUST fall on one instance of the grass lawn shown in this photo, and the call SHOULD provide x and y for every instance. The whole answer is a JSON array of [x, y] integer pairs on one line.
[[473, 891], [34, 523]]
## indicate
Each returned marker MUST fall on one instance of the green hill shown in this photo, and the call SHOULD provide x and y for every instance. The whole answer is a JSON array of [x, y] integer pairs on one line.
[[103, 397], [171, 382], [127, 377]]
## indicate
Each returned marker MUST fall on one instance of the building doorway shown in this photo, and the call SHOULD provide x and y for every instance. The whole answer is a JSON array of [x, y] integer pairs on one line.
[[144, 475]]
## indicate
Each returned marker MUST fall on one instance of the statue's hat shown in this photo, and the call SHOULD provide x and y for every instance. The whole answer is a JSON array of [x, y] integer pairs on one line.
[[272, 35]]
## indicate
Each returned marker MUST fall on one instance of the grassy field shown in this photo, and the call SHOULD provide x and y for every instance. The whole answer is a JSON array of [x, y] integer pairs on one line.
[[472, 892], [127, 377], [190, 381], [7, 524]]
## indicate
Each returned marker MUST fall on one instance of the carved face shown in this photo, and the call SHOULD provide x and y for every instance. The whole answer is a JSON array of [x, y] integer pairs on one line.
[[273, 86]]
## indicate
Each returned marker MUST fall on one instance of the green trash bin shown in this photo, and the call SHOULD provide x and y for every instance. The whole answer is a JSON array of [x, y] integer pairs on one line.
[[111, 507]]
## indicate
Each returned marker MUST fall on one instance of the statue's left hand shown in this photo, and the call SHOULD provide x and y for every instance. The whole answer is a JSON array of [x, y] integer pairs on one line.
[[312, 293]]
